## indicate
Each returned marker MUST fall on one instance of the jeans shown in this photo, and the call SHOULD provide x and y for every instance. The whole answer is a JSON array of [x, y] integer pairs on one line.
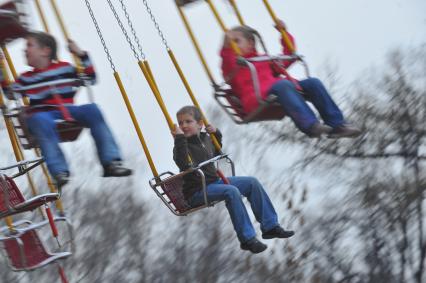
[[298, 110], [42, 125], [232, 194]]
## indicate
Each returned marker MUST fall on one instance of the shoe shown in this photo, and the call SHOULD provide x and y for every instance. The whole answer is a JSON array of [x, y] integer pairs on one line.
[[62, 179], [253, 245], [277, 232], [318, 129], [345, 131], [115, 169]]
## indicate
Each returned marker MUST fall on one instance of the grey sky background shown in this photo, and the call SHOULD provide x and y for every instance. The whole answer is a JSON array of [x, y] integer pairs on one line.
[[350, 35]]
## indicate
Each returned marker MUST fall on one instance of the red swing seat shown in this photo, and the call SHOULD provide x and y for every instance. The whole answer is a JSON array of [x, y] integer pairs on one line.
[[12, 25], [13, 202], [24, 249], [268, 109], [169, 187]]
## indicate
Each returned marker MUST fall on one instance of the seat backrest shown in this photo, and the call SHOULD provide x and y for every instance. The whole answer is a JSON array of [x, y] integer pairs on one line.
[[10, 25], [10, 195], [173, 189], [27, 255]]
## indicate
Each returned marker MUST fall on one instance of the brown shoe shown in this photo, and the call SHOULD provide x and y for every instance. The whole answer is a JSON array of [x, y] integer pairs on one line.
[[318, 129], [345, 131]]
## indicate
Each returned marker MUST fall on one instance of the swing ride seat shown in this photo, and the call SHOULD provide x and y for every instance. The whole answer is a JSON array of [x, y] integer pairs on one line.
[[13, 202], [185, 2], [169, 187], [68, 130], [268, 109], [24, 248], [12, 25]]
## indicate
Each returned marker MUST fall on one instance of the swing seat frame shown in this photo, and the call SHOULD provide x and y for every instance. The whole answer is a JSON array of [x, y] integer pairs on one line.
[[12, 200], [13, 24], [169, 187], [24, 249]]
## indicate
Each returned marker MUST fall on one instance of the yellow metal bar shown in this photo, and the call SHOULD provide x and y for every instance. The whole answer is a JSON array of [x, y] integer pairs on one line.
[[157, 95], [135, 123], [192, 96], [196, 45], [284, 35], [151, 75], [9, 223], [234, 46], [65, 33], [237, 12], [42, 16]]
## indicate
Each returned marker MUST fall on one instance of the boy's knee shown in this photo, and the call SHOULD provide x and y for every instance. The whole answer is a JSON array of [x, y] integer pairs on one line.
[[232, 193], [93, 111]]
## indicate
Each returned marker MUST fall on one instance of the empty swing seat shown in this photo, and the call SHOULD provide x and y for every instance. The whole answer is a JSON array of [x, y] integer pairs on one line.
[[12, 201], [12, 25], [25, 250]]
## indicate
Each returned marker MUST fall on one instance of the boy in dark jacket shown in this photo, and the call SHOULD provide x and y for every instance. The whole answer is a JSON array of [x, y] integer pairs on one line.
[[190, 141]]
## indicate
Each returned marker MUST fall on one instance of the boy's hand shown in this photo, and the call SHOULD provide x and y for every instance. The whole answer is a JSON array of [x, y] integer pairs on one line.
[[177, 131], [74, 49], [210, 129], [280, 25], [227, 39]]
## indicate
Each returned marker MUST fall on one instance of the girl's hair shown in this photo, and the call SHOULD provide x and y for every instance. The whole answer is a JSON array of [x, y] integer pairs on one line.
[[250, 34], [46, 40], [191, 110]]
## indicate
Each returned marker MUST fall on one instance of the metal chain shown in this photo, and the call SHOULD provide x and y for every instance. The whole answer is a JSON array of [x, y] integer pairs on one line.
[[129, 23], [98, 30], [135, 53], [160, 33]]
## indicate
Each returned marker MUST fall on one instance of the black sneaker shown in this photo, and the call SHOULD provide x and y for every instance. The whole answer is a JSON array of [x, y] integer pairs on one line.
[[115, 169], [62, 179], [345, 131], [253, 245], [277, 232], [318, 129]]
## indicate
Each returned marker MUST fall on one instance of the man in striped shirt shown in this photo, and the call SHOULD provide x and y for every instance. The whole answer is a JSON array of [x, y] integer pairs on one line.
[[40, 53]]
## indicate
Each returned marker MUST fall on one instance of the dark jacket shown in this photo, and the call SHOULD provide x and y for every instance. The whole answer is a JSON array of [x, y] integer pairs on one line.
[[199, 148]]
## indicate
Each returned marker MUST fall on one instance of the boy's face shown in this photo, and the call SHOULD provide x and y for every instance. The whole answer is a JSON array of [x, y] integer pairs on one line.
[[35, 53], [245, 45], [188, 125]]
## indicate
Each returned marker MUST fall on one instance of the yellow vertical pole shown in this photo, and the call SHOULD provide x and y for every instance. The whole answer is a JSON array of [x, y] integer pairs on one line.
[[284, 35], [135, 123], [237, 12], [42, 16], [65, 32], [196, 44], [234, 46]]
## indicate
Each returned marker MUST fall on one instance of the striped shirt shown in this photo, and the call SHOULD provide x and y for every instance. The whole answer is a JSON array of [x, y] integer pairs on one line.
[[55, 71]]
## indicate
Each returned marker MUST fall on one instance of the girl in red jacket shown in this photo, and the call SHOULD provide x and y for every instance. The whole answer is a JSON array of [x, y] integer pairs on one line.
[[286, 89]]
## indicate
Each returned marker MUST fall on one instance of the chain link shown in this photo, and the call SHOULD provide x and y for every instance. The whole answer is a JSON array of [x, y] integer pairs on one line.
[[135, 53], [130, 24], [157, 26], [98, 30]]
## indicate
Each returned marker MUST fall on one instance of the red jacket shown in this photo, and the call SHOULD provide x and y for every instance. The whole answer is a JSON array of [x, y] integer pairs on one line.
[[241, 81]]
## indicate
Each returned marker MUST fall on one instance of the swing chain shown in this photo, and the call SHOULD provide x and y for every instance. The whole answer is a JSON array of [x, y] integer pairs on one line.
[[98, 30], [157, 26], [135, 53], [129, 22]]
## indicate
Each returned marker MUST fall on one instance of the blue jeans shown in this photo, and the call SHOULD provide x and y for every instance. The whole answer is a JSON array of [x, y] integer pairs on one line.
[[260, 203], [298, 110], [42, 125]]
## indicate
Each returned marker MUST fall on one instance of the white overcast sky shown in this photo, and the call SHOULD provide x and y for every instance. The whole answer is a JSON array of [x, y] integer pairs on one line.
[[351, 34]]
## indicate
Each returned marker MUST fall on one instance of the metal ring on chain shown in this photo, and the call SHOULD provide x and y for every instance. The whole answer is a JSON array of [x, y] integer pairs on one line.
[[157, 26], [130, 24], [98, 30], [123, 30]]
